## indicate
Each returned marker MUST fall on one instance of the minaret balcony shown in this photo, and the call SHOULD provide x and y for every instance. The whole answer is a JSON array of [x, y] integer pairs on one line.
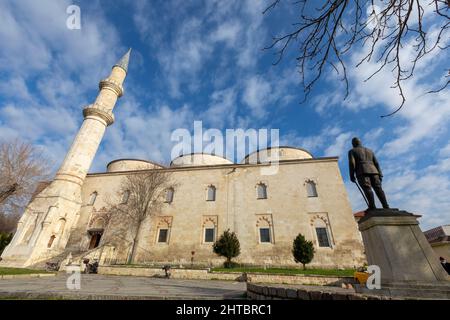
[[91, 110], [112, 85]]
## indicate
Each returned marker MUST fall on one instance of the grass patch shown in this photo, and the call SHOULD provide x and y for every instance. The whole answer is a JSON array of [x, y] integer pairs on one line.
[[18, 271], [285, 271]]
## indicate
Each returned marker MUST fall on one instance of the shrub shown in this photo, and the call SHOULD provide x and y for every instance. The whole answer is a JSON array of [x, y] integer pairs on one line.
[[227, 246], [303, 250]]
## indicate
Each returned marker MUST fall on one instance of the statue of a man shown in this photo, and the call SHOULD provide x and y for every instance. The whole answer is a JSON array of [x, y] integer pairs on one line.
[[364, 167]]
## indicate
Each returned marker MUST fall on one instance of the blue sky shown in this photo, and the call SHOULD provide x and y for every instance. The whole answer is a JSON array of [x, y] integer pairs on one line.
[[203, 60]]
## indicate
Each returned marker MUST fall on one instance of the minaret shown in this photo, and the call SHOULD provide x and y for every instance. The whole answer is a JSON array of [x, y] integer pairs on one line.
[[45, 226], [97, 117]]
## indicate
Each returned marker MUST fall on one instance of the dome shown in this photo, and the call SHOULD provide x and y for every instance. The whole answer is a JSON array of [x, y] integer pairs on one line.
[[284, 153], [131, 165], [198, 159]]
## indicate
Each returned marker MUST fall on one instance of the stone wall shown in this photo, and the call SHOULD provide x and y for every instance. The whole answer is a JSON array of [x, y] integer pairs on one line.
[[287, 211], [268, 292], [205, 274]]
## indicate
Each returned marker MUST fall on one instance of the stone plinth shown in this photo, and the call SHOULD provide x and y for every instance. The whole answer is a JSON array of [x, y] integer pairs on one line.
[[394, 242]]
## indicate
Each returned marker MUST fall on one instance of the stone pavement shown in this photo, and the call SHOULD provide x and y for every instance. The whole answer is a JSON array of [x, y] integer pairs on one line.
[[120, 287]]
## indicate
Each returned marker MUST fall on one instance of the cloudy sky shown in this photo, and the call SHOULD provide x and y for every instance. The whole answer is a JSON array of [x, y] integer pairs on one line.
[[203, 60]]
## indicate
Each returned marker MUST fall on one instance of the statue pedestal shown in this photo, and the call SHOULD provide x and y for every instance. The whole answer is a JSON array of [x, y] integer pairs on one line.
[[408, 265]]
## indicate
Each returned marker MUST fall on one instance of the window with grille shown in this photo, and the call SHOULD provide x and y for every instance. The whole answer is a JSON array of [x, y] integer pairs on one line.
[[126, 196], [264, 235], [262, 191], [93, 198], [169, 195], [311, 189], [211, 196], [209, 234], [163, 233], [322, 237]]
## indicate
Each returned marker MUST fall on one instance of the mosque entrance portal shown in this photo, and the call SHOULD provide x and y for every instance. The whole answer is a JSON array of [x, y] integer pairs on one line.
[[96, 235]]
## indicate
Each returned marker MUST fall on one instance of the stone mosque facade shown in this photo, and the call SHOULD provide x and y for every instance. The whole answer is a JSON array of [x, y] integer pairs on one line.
[[68, 219]]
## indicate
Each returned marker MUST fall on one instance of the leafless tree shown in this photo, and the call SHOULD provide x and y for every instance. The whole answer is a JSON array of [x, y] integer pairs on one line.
[[328, 29], [8, 222], [22, 167], [140, 196]]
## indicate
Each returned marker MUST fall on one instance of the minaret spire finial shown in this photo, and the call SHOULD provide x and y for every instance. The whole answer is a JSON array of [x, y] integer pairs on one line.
[[123, 62]]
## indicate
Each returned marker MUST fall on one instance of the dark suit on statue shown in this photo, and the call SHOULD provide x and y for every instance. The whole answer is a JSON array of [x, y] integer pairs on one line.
[[364, 166]]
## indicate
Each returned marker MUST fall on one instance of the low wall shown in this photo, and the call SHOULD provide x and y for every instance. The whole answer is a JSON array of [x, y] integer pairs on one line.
[[24, 276], [205, 274], [268, 292]]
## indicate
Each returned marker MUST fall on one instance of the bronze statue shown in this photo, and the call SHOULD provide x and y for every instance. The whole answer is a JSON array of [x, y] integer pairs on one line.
[[364, 168]]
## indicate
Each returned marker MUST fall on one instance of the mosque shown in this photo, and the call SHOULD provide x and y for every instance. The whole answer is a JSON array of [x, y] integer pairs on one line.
[[69, 216]]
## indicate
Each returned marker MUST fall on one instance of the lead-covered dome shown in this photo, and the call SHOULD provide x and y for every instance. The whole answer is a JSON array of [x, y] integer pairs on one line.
[[198, 159], [283, 153], [131, 165]]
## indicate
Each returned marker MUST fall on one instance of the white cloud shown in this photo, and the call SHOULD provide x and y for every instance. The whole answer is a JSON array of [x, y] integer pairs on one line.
[[186, 46], [142, 133], [256, 95], [222, 110], [340, 146], [331, 141], [227, 32], [48, 70], [445, 152]]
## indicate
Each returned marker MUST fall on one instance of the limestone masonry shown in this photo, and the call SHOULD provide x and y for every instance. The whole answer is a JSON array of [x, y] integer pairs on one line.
[[69, 218]]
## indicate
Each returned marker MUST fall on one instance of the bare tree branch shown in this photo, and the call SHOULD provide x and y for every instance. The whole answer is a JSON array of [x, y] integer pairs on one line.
[[22, 167], [140, 195], [328, 29]]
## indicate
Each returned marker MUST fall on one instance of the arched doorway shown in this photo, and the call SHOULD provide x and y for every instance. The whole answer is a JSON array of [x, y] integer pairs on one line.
[[96, 236]]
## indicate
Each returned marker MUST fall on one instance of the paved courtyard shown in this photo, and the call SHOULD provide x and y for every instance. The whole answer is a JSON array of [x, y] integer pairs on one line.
[[120, 287]]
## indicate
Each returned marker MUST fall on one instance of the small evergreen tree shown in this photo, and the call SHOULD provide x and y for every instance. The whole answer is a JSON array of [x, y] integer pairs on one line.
[[227, 246], [303, 250]]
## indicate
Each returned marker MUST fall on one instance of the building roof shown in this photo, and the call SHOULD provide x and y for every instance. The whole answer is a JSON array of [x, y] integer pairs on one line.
[[301, 153], [438, 234], [359, 214], [131, 159]]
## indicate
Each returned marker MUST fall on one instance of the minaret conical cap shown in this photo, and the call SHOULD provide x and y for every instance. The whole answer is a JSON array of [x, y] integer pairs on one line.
[[123, 62]]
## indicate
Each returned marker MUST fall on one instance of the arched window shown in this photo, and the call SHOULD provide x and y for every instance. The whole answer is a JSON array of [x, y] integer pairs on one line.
[[311, 189], [261, 191], [125, 197], [169, 195], [93, 198], [59, 228], [50, 242], [211, 196]]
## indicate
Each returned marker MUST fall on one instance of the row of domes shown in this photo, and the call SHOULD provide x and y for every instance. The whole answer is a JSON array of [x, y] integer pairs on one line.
[[201, 159]]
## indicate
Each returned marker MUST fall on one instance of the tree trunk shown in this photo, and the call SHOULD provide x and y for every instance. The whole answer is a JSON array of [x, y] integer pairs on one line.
[[304, 266], [134, 245]]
